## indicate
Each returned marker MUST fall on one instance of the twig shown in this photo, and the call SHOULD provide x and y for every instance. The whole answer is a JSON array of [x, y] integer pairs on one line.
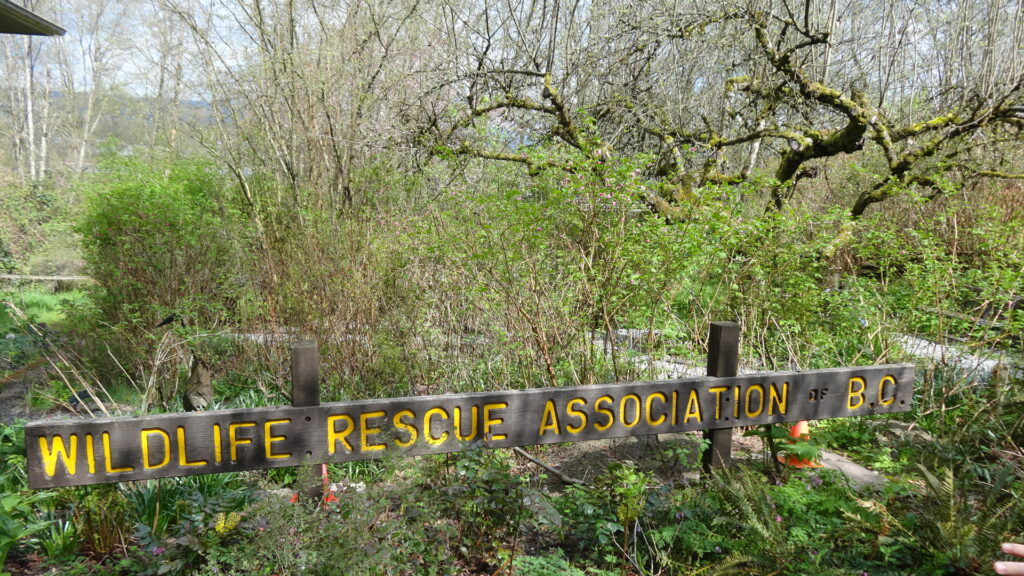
[[561, 476]]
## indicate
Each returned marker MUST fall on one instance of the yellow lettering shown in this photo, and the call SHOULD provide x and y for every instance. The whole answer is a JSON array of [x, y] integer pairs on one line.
[[581, 415], [334, 436], [693, 408], [647, 406], [488, 421], [182, 458], [365, 431], [90, 450], [431, 439], [234, 441], [675, 407], [109, 464], [760, 401], [608, 413], [147, 461], [269, 439], [549, 421], [736, 402], [409, 429], [855, 395], [218, 454], [717, 390], [777, 400], [457, 422], [68, 455], [636, 410], [881, 391]]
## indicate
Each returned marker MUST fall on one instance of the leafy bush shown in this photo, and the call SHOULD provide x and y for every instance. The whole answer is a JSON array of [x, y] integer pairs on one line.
[[18, 520], [554, 563], [36, 233], [157, 240], [101, 517], [359, 534], [489, 504], [531, 273]]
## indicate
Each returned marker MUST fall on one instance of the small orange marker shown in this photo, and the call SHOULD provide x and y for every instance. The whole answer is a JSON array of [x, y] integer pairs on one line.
[[328, 493], [799, 431]]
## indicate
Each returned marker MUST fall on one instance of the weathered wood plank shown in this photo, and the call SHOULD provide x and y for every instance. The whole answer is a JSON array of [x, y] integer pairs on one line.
[[305, 393], [116, 449], [305, 374], [723, 360]]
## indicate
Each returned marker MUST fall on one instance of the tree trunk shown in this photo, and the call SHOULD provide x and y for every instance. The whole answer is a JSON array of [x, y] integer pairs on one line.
[[30, 124]]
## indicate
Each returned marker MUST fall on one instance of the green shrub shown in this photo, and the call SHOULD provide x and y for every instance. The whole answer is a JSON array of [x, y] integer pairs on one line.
[[18, 520], [157, 240], [36, 235], [359, 534], [101, 517], [489, 503]]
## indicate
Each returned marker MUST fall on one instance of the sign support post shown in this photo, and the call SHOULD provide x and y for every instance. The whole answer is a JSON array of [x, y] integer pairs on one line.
[[723, 361], [306, 393]]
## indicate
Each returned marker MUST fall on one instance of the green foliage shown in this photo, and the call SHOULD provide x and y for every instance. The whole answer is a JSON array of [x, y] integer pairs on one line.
[[959, 262], [347, 283], [867, 439], [600, 519], [489, 503], [29, 316], [12, 454], [771, 272], [361, 534], [18, 520], [960, 530], [101, 517], [554, 563], [590, 524], [792, 527], [60, 542], [39, 305], [7, 260], [157, 239], [533, 272], [946, 527], [969, 422], [36, 235], [178, 521], [162, 509]]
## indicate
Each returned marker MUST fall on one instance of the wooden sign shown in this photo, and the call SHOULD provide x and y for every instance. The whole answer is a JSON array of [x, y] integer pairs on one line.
[[96, 451]]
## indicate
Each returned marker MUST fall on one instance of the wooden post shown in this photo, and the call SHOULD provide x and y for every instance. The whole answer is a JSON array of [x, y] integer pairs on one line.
[[305, 375], [305, 393], [723, 360]]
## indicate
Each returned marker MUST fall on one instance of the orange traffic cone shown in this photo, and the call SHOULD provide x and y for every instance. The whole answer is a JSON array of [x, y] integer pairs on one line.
[[328, 489], [329, 496], [799, 431]]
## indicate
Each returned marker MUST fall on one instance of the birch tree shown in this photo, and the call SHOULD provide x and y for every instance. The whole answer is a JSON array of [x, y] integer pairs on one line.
[[90, 58]]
